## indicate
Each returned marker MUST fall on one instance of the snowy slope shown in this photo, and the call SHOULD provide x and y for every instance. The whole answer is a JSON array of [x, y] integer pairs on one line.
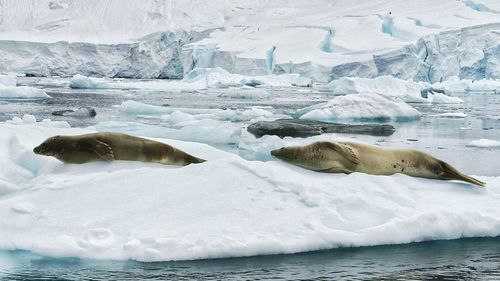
[[226, 207]]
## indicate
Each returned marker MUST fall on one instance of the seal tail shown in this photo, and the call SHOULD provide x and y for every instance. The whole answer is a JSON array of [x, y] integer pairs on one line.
[[451, 173]]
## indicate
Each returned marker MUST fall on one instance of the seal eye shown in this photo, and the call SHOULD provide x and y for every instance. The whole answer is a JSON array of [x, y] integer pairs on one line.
[[282, 148]]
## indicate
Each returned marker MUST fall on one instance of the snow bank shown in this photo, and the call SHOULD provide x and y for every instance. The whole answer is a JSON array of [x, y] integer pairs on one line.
[[408, 91], [360, 107], [484, 143], [225, 207], [21, 92]]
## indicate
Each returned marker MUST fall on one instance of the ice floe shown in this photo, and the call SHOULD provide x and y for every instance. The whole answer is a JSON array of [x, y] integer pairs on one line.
[[225, 207]]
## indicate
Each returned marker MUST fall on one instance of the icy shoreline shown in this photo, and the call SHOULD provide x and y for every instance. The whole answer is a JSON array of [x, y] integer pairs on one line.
[[147, 212]]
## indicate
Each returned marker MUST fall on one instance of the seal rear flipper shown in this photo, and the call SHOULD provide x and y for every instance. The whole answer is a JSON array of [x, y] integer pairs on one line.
[[344, 150], [102, 149], [336, 170]]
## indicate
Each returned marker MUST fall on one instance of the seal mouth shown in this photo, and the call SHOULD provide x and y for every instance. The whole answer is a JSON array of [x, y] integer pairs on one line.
[[451, 173], [37, 150]]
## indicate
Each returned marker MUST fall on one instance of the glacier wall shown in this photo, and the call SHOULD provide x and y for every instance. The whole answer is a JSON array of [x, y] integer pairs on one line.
[[468, 53], [154, 56]]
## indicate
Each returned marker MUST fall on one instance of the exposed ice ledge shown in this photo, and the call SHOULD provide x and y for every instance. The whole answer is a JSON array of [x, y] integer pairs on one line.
[[153, 56]]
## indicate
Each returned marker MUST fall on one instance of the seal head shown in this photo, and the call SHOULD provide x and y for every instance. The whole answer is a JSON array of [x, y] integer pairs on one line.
[[50, 147]]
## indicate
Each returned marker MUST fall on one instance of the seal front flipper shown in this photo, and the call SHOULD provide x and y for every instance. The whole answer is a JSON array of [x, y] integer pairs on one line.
[[344, 150], [102, 149]]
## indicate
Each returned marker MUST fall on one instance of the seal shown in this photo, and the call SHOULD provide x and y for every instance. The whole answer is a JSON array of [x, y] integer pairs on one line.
[[349, 157], [108, 146]]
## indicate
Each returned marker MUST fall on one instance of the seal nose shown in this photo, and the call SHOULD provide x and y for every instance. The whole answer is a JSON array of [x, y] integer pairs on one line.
[[36, 150]]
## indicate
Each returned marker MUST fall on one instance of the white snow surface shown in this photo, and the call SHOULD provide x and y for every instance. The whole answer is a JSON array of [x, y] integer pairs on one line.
[[22, 92], [225, 207], [358, 107]]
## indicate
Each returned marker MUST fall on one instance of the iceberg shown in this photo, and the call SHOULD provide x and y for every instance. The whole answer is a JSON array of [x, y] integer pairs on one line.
[[360, 107], [216, 209]]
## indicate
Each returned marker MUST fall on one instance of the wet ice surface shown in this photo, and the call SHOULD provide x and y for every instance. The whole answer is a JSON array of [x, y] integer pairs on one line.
[[464, 259]]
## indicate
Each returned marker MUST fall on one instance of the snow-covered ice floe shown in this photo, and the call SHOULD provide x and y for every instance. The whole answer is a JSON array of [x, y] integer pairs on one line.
[[484, 143], [150, 212], [454, 84], [21, 92], [360, 107], [407, 90]]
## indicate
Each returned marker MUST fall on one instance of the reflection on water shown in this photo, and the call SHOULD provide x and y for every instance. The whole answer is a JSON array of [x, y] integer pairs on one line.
[[463, 259]]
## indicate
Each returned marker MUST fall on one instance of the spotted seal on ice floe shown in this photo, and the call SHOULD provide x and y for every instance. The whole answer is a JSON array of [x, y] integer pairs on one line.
[[349, 157], [107, 146]]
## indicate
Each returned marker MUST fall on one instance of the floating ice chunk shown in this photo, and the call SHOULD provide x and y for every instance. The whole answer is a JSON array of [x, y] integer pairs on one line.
[[21, 92], [30, 119], [453, 115], [246, 93], [138, 108], [466, 85], [8, 80], [360, 107], [435, 97], [83, 82], [484, 143]]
